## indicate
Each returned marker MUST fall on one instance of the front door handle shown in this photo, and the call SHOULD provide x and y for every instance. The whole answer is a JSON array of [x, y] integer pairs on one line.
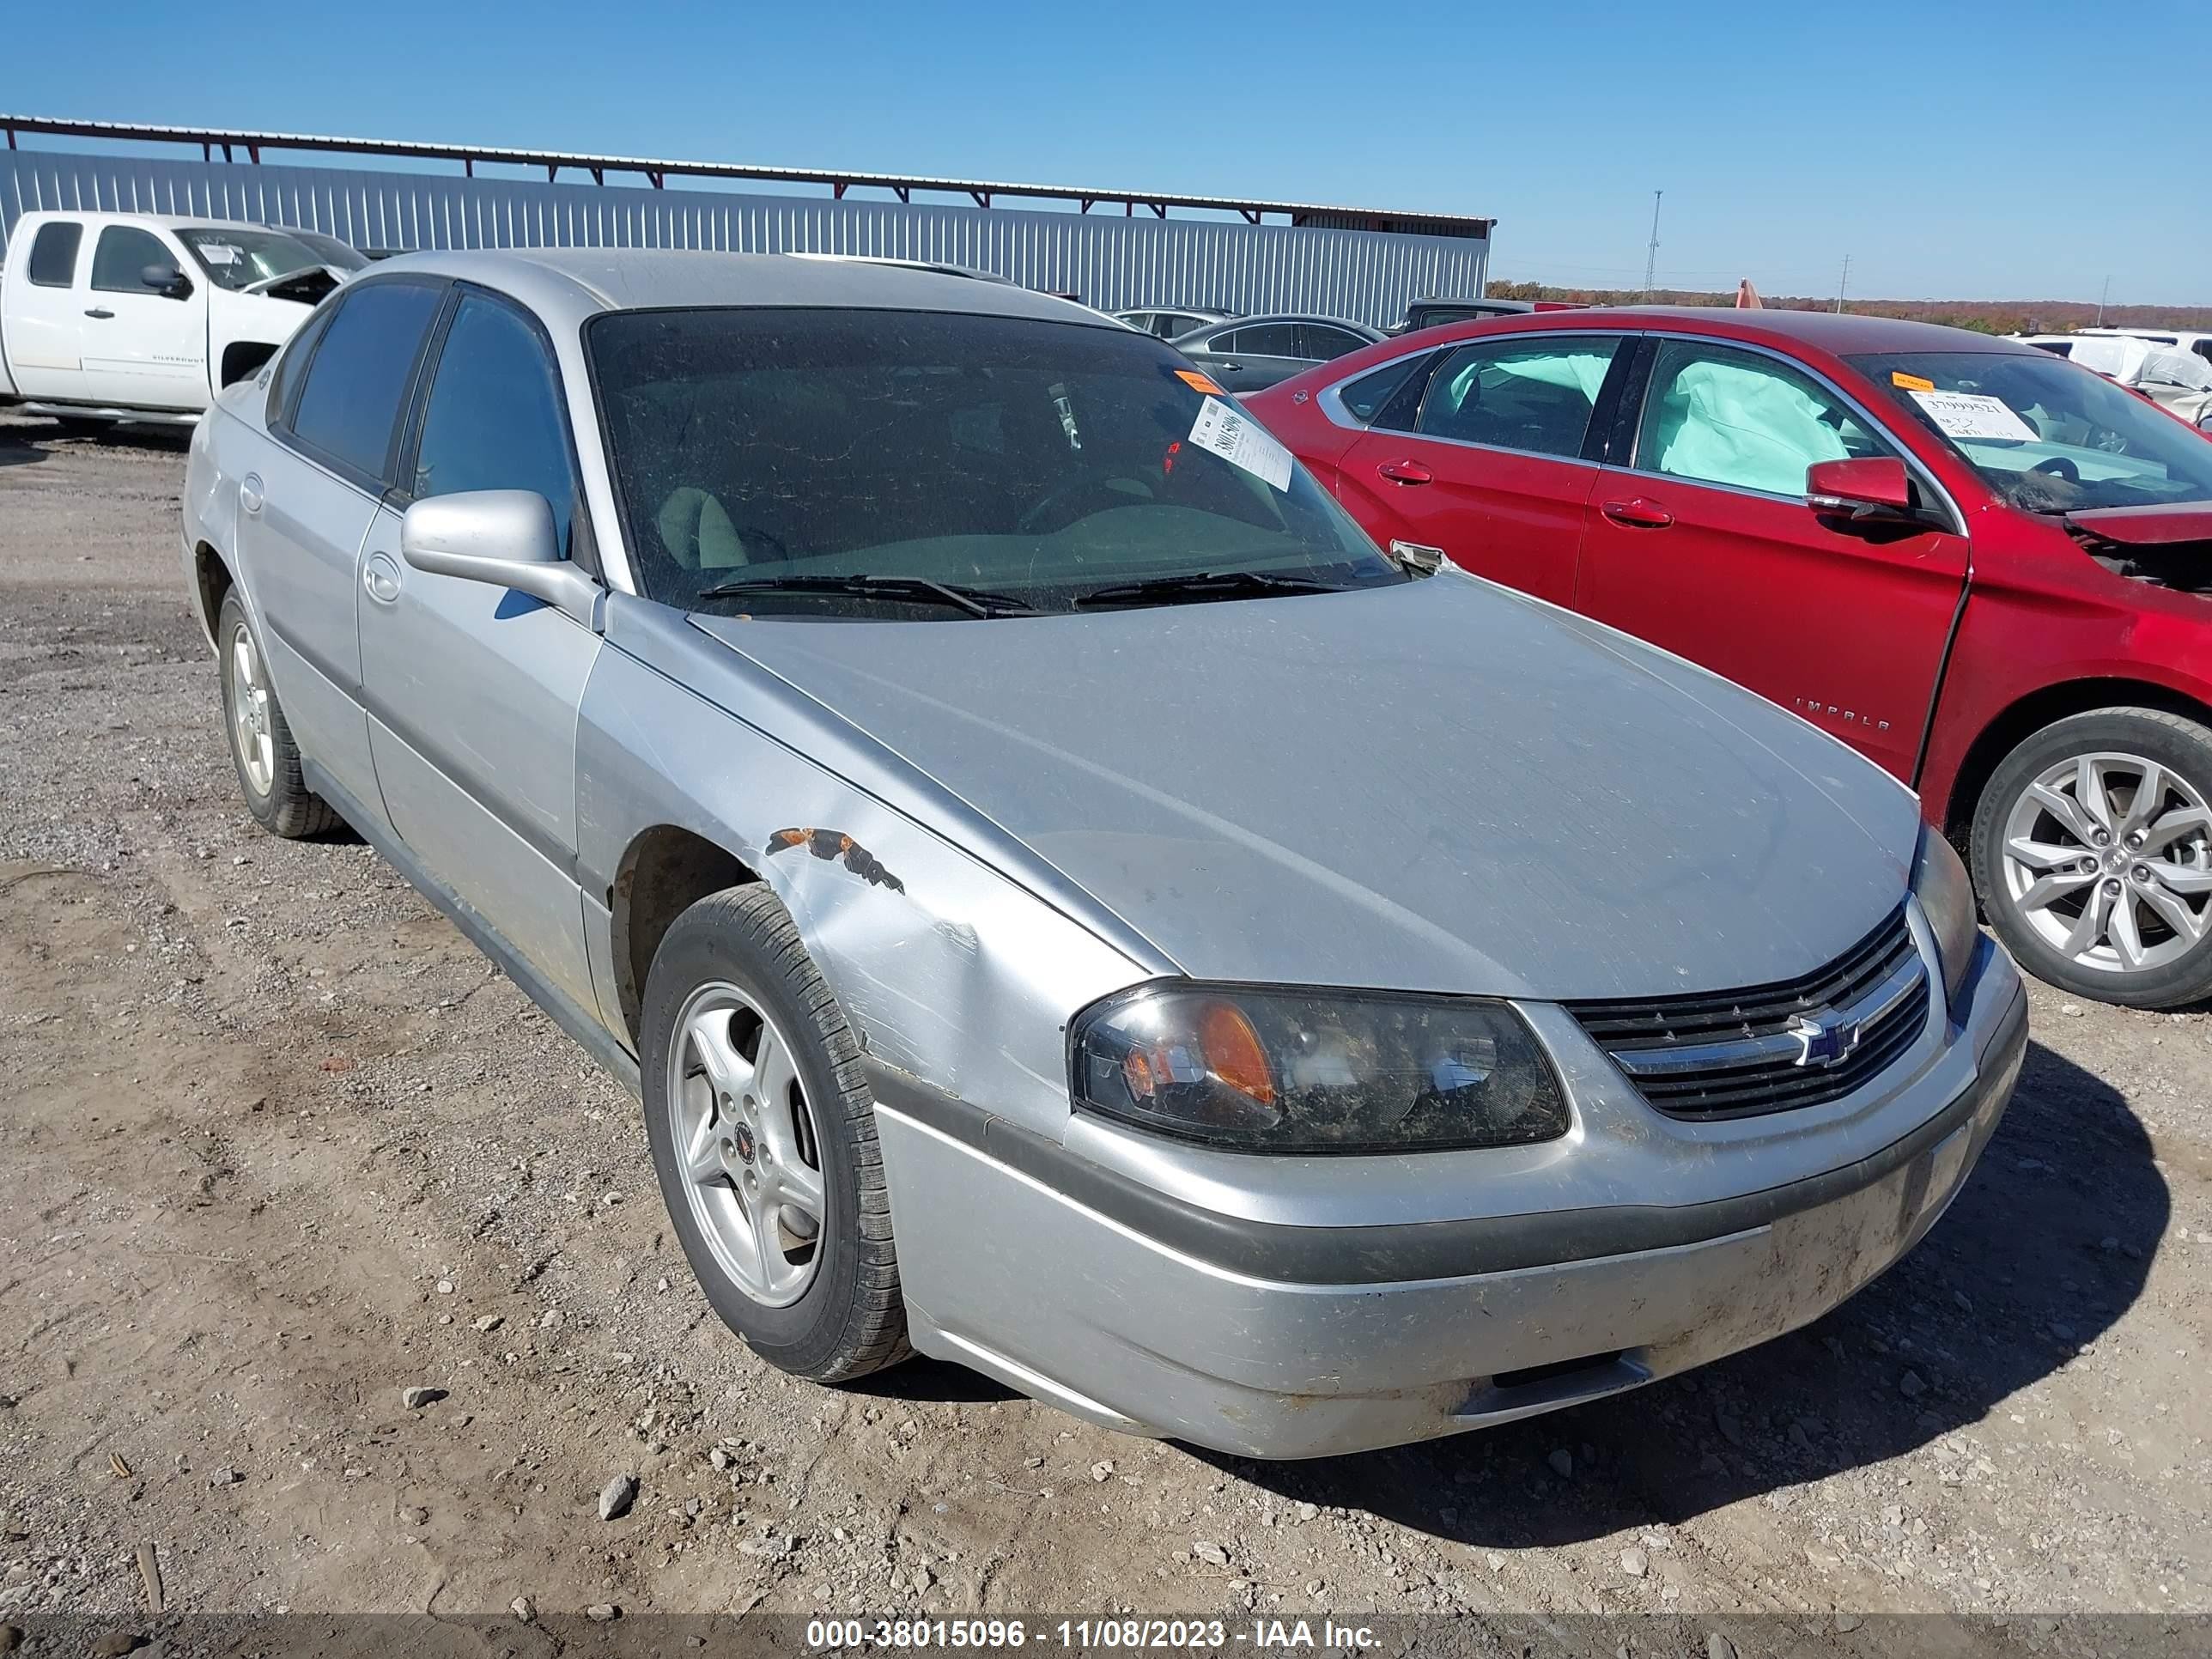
[[380, 578], [100, 311], [1638, 514], [249, 492], [1404, 472]]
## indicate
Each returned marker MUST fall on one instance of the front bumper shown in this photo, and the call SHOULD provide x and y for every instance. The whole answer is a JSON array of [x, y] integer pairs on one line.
[[1152, 1314]]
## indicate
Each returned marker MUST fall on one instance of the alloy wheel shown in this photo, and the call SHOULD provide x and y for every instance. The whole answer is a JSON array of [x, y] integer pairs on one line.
[[746, 1138], [249, 711], [2108, 859]]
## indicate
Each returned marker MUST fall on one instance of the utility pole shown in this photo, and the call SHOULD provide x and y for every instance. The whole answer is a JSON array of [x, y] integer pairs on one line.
[[1843, 282], [2102, 296], [1651, 255]]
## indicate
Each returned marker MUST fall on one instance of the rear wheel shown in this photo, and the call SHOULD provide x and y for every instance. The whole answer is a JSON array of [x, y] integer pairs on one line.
[[261, 746], [2092, 856], [764, 1139]]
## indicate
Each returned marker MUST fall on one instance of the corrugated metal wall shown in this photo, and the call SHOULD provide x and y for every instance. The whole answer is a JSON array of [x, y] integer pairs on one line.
[[1110, 261]]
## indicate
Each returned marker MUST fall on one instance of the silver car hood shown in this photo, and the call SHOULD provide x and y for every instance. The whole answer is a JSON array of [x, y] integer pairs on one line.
[[1440, 786]]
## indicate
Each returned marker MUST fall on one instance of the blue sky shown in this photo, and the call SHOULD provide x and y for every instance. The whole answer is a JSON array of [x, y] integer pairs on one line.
[[1951, 151]]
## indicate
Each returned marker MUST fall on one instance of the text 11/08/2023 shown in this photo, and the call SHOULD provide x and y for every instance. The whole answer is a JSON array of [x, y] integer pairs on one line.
[[1084, 1635]]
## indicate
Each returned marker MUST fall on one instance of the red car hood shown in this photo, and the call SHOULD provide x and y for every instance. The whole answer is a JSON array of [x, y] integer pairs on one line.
[[2147, 526]]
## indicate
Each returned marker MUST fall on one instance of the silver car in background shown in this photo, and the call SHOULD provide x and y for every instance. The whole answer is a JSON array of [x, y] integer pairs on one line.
[[1065, 901]]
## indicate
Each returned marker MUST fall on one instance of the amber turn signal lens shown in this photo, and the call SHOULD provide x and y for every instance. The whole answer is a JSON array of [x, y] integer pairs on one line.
[[1233, 1052]]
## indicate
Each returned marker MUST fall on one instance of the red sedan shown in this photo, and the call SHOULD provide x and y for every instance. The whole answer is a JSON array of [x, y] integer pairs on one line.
[[1974, 562]]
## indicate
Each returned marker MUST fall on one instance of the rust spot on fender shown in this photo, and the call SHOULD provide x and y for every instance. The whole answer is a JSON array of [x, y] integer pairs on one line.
[[835, 844]]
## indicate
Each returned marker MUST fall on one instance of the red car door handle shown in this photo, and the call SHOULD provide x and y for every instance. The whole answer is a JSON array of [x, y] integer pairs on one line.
[[1638, 515], [1404, 472]]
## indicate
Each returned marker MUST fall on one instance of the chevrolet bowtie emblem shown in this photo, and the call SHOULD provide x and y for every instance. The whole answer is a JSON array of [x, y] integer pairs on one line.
[[1826, 1038]]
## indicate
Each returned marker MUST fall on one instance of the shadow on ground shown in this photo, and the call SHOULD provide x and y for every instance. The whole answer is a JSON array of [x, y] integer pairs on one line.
[[26, 438], [16, 449], [933, 1380], [2048, 1245]]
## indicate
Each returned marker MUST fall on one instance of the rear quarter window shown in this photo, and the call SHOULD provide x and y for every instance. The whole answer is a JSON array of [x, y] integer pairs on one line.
[[53, 254]]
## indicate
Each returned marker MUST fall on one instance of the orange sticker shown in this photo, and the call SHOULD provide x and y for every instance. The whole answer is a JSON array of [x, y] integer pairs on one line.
[[1198, 382], [1911, 382]]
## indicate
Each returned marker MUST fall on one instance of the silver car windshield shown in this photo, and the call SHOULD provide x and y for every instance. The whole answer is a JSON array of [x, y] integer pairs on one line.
[[2047, 436], [1047, 464]]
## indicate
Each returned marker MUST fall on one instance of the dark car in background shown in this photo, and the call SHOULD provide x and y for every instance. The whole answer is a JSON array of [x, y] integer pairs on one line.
[[1435, 313], [339, 255], [1169, 322], [1252, 352]]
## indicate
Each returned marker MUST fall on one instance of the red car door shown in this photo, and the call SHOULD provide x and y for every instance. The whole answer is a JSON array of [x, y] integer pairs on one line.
[[1703, 544], [1479, 457]]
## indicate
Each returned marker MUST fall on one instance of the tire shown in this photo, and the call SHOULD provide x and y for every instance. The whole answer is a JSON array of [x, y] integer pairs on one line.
[[731, 975], [2154, 862], [269, 774]]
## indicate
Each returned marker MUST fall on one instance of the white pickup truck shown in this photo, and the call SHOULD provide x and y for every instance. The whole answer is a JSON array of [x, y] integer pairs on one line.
[[145, 317]]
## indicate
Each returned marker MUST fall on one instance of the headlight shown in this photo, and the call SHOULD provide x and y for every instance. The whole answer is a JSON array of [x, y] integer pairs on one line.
[[1294, 1071], [1946, 897]]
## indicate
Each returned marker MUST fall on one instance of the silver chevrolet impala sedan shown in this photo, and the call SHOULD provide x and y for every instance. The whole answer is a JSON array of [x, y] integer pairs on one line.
[[1066, 902]]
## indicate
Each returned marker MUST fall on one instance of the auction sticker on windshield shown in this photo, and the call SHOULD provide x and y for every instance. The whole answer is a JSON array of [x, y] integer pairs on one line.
[[1241, 441], [1974, 415]]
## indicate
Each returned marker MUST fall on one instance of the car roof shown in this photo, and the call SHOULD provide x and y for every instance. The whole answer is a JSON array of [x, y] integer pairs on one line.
[[1293, 317], [1817, 331], [166, 221], [570, 283], [1838, 333]]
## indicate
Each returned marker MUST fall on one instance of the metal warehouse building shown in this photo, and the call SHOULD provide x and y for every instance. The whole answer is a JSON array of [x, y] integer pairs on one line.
[[1111, 248]]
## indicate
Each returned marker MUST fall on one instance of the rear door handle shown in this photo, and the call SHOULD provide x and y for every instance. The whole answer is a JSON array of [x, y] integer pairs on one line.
[[1404, 472], [99, 312], [380, 578], [1638, 514], [249, 492]]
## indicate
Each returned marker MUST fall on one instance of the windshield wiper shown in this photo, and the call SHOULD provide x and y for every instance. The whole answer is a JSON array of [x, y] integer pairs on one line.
[[1203, 585], [907, 589]]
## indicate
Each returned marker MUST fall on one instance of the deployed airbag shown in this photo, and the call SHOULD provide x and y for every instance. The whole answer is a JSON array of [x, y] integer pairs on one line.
[[1744, 427]]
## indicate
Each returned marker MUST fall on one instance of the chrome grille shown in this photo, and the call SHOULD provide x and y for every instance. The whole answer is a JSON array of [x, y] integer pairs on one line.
[[1770, 1047]]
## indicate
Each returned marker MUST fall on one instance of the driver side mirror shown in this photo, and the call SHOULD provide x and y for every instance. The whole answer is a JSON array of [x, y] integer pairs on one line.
[[502, 537], [165, 280], [1876, 491]]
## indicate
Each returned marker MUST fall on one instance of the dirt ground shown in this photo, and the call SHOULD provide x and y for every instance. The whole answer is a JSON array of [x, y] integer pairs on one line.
[[276, 1145]]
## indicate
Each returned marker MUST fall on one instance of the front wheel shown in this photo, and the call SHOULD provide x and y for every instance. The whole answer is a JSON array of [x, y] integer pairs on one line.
[[2092, 856], [764, 1139]]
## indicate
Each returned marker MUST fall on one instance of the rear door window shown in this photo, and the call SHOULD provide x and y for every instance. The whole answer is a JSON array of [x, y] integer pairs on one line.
[[1321, 343], [360, 373], [53, 253], [1265, 340], [1720, 415], [1535, 396]]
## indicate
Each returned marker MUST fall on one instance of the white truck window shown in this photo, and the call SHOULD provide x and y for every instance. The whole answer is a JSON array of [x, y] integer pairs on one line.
[[122, 254], [53, 254]]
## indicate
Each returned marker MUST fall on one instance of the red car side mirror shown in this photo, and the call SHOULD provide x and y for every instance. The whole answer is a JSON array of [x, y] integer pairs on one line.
[[1876, 490]]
